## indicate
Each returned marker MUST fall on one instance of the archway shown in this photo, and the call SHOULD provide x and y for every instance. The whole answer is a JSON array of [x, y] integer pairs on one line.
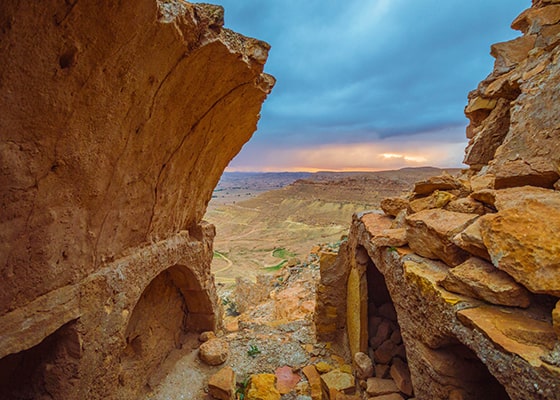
[[173, 305], [48, 370]]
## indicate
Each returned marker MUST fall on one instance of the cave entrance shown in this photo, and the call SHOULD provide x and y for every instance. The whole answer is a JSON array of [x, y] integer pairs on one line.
[[46, 371], [171, 307], [384, 341], [463, 374]]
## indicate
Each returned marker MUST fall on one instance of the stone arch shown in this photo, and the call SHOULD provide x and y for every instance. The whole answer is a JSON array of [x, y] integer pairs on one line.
[[48, 370], [172, 305]]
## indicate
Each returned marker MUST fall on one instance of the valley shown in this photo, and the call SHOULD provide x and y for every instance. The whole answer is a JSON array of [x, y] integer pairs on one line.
[[268, 220]]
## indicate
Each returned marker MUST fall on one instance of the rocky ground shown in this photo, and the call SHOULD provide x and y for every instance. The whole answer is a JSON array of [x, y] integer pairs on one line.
[[268, 350]]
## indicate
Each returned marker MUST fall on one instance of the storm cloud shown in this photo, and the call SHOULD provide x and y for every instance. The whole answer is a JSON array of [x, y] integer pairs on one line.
[[384, 74]]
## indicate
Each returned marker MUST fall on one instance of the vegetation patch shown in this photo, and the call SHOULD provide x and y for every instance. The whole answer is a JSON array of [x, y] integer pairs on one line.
[[276, 267], [281, 252]]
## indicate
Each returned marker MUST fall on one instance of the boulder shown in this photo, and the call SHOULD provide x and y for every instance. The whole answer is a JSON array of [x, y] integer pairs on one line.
[[391, 396], [523, 241], [466, 205], [263, 387], [286, 380], [438, 199], [378, 386], [393, 205], [401, 375], [363, 366], [429, 234], [510, 53], [214, 351], [221, 385], [442, 182], [385, 352], [338, 381], [470, 239], [481, 280]]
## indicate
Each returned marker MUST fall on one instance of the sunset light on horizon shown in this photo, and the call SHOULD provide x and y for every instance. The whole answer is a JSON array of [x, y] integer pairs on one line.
[[368, 85]]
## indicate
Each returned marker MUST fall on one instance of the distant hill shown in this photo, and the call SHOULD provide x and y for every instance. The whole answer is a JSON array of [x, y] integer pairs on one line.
[[255, 213]]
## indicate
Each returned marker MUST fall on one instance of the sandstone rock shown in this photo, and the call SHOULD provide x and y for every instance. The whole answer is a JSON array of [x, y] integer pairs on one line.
[[483, 145], [519, 334], [381, 371], [511, 53], [401, 375], [522, 241], [532, 19], [206, 336], [263, 387], [466, 205], [390, 238], [286, 380], [338, 381], [470, 240], [400, 220], [556, 319], [314, 380], [438, 199], [221, 385], [442, 182], [396, 337], [518, 196], [391, 396], [385, 352], [393, 205], [364, 366], [342, 396], [323, 367], [139, 108], [479, 279], [429, 234], [377, 386], [486, 196], [382, 333], [214, 351], [484, 181]]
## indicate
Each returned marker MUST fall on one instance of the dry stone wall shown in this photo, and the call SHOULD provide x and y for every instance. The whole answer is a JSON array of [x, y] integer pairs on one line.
[[471, 263], [118, 119]]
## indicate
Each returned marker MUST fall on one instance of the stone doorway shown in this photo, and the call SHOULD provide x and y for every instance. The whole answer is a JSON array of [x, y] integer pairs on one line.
[[172, 306], [384, 341], [46, 371]]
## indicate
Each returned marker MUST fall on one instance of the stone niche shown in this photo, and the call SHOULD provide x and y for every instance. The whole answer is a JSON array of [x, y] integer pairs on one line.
[[118, 120]]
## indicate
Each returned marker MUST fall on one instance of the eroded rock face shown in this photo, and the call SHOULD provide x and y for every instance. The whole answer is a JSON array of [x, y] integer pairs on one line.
[[475, 281], [118, 120]]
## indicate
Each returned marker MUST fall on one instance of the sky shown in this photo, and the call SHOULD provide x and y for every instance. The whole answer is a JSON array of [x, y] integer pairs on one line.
[[368, 84]]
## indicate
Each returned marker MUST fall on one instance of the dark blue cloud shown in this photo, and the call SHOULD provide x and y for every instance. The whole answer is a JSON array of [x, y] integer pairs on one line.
[[363, 70]]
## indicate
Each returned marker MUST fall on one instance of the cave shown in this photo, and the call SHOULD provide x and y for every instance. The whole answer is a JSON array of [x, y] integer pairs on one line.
[[172, 306], [457, 368], [453, 367], [48, 370]]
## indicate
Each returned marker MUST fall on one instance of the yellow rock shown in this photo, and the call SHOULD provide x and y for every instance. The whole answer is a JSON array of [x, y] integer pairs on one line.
[[346, 368], [263, 387], [323, 367], [479, 103]]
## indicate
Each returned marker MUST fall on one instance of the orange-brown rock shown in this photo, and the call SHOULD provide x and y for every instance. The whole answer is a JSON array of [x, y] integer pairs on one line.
[[393, 205], [363, 365], [470, 240], [338, 381], [466, 205], [429, 234], [481, 280], [377, 386], [314, 380], [120, 120], [221, 385], [401, 375], [214, 351], [522, 241], [442, 182]]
